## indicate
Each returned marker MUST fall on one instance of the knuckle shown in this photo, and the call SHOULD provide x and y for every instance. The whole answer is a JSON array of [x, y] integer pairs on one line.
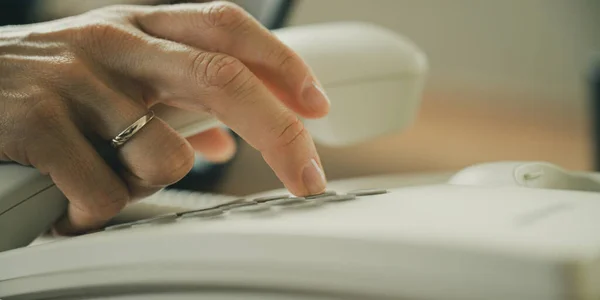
[[223, 14], [173, 167], [95, 31], [39, 131], [68, 66], [107, 202], [292, 133], [44, 113], [96, 34], [287, 60], [217, 71], [115, 10], [99, 31]]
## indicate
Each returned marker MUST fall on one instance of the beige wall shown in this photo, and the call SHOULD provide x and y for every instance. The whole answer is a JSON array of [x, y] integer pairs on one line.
[[507, 82], [538, 48]]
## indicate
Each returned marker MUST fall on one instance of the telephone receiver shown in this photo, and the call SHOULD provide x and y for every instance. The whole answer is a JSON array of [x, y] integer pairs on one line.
[[372, 76]]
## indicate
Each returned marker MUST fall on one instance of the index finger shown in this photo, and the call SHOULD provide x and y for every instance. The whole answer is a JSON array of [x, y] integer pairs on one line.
[[226, 28], [240, 100], [189, 78]]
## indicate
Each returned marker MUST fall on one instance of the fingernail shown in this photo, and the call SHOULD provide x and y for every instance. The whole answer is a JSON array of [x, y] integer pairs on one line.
[[314, 97], [313, 177]]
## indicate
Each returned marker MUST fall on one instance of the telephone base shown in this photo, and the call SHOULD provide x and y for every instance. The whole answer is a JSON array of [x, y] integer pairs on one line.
[[424, 241]]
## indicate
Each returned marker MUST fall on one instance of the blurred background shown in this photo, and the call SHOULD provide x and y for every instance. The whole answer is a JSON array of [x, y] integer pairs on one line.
[[509, 80]]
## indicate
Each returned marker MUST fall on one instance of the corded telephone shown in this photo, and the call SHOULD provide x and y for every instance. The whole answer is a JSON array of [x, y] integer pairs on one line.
[[509, 230]]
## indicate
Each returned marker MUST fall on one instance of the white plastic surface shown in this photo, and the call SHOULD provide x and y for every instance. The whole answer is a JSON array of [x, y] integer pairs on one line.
[[424, 242], [18, 183], [526, 174], [29, 203]]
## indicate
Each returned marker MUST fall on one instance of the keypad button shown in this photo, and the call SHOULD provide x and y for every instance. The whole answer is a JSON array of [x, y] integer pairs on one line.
[[337, 198], [239, 203], [250, 209], [156, 220], [301, 204], [270, 198], [368, 192], [204, 213], [285, 201], [295, 203], [322, 195], [290, 201], [119, 226]]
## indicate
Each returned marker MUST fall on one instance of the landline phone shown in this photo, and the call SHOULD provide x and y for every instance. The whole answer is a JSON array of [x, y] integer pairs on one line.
[[505, 230]]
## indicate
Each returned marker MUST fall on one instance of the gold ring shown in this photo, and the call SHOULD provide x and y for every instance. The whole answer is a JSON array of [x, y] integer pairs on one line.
[[130, 131]]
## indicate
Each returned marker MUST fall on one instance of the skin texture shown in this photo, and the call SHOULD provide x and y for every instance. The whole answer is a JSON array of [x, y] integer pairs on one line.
[[71, 85]]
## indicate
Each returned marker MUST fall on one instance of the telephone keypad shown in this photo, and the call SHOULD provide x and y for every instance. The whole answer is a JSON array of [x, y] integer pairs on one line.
[[322, 195], [258, 206], [118, 226], [204, 213], [338, 198], [270, 198], [285, 201], [301, 204], [368, 192], [156, 220], [236, 203]]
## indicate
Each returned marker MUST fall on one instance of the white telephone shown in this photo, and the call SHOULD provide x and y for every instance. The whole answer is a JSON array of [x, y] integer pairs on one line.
[[508, 230]]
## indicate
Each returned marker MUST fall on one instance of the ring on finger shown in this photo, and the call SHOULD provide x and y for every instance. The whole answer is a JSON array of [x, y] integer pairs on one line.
[[131, 130]]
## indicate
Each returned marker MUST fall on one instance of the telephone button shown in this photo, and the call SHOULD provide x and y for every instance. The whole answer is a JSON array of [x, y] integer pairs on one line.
[[250, 209], [286, 201], [203, 213], [322, 195], [156, 220], [368, 192], [298, 203], [119, 226], [337, 198], [271, 198], [234, 204]]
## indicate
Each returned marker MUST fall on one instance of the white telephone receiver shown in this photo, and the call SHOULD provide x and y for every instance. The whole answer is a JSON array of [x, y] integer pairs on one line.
[[509, 230]]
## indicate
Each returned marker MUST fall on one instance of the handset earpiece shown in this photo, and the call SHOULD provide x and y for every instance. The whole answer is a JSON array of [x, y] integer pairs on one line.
[[542, 175]]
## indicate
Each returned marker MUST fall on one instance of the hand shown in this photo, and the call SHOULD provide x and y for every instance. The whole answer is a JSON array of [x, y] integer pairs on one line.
[[71, 84]]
